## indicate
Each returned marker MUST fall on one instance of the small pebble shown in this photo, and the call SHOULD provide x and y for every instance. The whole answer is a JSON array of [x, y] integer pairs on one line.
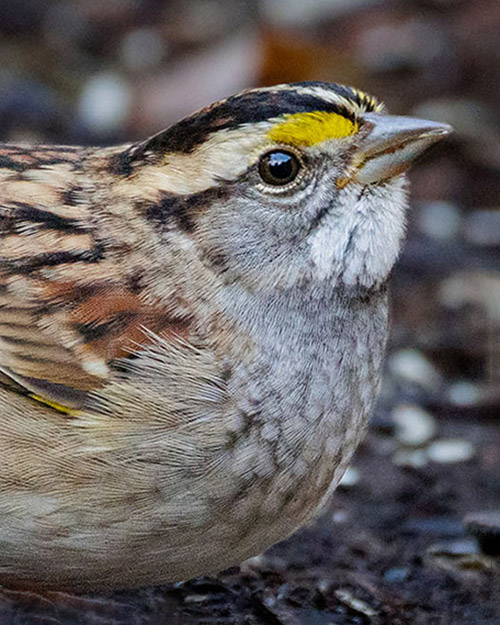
[[414, 427], [463, 555], [396, 575], [413, 366], [439, 220], [442, 526], [464, 393], [350, 478], [482, 227], [480, 288], [262, 562], [453, 548], [105, 103], [347, 598], [340, 516], [415, 458], [485, 526], [450, 450]]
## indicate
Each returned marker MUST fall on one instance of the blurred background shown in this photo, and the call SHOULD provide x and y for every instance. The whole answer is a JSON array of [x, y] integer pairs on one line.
[[414, 531]]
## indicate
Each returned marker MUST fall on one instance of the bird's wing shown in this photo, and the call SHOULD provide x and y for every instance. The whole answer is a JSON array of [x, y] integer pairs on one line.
[[59, 340], [66, 311]]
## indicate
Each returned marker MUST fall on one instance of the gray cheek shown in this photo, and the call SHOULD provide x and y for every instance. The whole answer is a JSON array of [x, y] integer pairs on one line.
[[262, 238], [249, 233]]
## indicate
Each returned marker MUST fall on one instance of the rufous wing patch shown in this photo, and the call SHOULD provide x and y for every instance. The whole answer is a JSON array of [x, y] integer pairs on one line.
[[69, 350]]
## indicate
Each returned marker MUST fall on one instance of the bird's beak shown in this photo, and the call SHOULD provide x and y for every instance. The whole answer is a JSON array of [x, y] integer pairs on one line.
[[391, 144]]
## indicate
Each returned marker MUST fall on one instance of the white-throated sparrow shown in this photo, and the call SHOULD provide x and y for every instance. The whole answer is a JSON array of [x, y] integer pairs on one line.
[[191, 332]]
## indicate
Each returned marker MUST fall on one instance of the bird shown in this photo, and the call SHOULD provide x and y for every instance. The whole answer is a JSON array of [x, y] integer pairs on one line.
[[192, 329]]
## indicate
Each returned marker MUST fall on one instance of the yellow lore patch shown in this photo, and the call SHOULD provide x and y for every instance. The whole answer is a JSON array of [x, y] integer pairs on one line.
[[306, 129]]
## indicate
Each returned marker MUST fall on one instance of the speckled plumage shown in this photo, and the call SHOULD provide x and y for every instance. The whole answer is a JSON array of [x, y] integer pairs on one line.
[[187, 357]]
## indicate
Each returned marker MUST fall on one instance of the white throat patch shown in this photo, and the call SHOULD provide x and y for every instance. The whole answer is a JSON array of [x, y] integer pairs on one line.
[[360, 240]]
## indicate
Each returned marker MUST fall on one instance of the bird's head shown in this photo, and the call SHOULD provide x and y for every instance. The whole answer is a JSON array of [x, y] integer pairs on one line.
[[297, 182]]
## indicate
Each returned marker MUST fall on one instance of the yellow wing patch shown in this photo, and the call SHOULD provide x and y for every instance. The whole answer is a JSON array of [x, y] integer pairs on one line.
[[54, 405], [307, 129]]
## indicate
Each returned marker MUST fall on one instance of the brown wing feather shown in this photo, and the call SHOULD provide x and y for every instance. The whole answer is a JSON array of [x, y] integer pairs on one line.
[[65, 313]]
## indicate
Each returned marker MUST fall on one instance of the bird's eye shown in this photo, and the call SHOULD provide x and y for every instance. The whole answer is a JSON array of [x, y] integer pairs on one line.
[[278, 167]]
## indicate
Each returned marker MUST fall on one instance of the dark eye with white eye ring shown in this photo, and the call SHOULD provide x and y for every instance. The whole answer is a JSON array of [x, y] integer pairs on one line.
[[279, 167]]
